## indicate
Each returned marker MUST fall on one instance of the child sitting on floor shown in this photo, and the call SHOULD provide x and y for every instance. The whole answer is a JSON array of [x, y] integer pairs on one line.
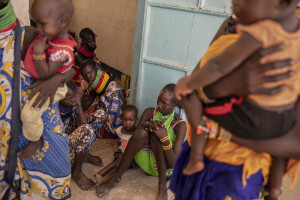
[[51, 52], [129, 118], [261, 24]]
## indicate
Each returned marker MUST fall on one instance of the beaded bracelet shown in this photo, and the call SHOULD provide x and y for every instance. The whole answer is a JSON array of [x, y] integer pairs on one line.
[[167, 147], [164, 139], [39, 57]]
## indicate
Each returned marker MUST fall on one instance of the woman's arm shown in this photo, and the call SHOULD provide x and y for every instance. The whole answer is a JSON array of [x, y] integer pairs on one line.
[[157, 128], [80, 116], [287, 145], [250, 77], [172, 154]]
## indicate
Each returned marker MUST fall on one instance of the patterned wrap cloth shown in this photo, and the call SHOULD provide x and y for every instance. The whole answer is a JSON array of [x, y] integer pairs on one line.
[[46, 175], [83, 137], [226, 162]]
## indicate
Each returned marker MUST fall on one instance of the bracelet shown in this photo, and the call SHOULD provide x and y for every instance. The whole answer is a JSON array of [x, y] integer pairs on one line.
[[167, 147], [164, 139], [203, 97], [39, 57]]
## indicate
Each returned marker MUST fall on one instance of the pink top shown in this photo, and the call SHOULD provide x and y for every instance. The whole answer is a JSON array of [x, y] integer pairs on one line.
[[59, 50]]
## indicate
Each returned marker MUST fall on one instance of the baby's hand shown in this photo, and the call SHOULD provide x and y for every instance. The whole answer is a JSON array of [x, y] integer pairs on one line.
[[40, 46], [181, 88]]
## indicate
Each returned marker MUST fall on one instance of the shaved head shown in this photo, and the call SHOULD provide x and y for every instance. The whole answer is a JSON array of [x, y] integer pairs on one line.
[[53, 8]]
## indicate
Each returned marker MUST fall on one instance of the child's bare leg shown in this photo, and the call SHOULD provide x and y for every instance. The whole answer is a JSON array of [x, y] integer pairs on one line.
[[30, 149], [136, 142], [276, 173], [196, 162], [98, 178], [161, 168], [193, 109]]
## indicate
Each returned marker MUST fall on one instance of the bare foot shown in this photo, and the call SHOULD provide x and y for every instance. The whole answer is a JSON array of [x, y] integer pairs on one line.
[[102, 191], [162, 194], [97, 179], [30, 149], [83, 182], [193, 167], [95, 160]]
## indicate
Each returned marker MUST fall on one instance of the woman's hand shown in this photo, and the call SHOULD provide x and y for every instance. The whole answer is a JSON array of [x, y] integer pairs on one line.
[[158, 128], [84, 85], [250, 77], [46, 89]]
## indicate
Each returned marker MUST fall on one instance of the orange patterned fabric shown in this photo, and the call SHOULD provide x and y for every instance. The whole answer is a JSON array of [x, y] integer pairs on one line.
[[270, 33]]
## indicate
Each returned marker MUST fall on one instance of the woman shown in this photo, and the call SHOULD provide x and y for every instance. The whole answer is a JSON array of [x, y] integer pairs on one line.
[[81, 134], [86, 50], [109, 94], [35, 177], [155, 144], [226, 162]]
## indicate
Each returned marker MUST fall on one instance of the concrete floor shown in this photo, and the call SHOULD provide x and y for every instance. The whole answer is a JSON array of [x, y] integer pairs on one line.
[[135, 185]]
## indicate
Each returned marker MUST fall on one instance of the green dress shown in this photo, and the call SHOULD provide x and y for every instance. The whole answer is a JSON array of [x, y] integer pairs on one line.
[[145, 157]]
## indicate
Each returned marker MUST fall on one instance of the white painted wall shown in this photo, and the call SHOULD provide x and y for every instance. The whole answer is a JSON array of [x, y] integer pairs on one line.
[[22, 10]]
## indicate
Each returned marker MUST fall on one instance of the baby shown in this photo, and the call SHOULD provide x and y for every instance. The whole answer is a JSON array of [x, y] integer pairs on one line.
[[129, 118], [51, 52], [261, 24]]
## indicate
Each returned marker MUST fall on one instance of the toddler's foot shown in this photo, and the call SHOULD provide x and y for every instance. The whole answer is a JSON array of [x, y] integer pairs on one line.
[[105, 189], [30, 149], [275, 192], [97, 179], [193, 167]]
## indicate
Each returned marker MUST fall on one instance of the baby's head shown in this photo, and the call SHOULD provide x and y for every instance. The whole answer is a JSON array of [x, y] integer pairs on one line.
[[88, 39], [129, 117], [251, 11], [52, 17]]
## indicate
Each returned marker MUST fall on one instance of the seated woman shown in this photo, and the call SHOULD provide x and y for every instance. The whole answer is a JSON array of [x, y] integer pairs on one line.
[[81, 134], [98, 84], [86, 50], [155, 144]]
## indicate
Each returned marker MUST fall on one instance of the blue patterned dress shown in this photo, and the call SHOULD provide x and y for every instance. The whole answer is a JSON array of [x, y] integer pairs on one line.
[[46, 175]]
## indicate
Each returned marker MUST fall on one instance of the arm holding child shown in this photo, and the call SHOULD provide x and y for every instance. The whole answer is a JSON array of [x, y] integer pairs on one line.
[[219, 66]]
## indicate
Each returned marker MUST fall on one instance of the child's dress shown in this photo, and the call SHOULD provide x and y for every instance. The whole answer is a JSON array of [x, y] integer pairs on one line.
[[124, 138], [60, 50]]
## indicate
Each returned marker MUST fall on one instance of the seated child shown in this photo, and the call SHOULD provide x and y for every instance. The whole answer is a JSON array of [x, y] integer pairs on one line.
[[129, 118], [261, 24], [49, 53]]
